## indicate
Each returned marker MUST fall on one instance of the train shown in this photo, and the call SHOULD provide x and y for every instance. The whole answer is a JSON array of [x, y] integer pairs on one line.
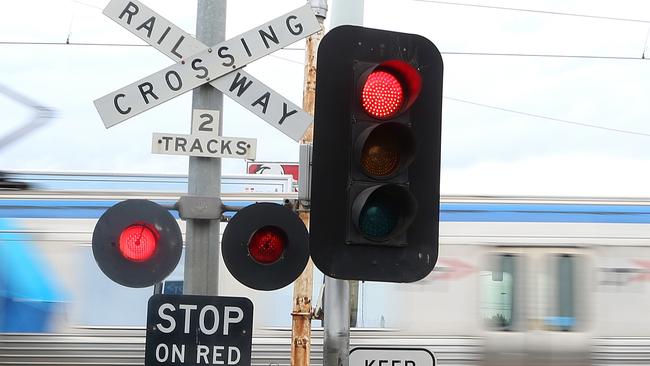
[[519, 280]]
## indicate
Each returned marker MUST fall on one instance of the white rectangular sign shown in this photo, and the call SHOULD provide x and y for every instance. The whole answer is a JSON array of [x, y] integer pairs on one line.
[[205, 65], [218, 332], [204, 144], [205, 120], [390, 356]]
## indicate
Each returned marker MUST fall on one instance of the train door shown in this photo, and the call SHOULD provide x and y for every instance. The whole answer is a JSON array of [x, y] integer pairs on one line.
[[534, 306]]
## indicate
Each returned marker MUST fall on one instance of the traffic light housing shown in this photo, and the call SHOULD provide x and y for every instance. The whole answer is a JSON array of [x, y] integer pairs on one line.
[[137, 243], [376, 156], [265, 246]]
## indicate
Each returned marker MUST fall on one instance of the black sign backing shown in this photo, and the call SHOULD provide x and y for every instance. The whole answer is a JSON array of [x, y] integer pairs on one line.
[[199, 330]]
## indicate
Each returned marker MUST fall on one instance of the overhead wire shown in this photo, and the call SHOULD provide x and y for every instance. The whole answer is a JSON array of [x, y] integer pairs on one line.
[[28, 43], [88, 5], [452, 53], [582, 124], [37, 43], [542, 55], [547, 12], [67, 43], [449, 98]]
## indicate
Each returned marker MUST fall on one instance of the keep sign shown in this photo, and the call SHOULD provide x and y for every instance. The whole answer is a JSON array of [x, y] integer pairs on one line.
[[390, 356], [199, 330]]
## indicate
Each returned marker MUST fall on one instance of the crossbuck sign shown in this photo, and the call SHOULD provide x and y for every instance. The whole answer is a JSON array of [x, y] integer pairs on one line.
[[219, 65]]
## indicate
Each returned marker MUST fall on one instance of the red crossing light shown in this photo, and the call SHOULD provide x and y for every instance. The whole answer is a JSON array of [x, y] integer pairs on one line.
[[267, 245], [138, 242]]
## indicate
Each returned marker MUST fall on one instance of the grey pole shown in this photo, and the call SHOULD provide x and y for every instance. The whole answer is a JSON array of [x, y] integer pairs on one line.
[[202, 236], [336, 342]]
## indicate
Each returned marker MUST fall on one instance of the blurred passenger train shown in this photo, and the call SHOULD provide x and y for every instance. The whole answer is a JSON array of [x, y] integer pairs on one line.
[[519, 281]]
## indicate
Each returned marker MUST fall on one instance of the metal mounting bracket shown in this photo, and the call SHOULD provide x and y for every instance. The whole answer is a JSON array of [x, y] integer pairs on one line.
[[197, 207]]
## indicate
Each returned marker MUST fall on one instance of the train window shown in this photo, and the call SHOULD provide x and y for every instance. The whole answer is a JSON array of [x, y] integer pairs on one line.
[[563, 315], [497, 295], [173, 287]]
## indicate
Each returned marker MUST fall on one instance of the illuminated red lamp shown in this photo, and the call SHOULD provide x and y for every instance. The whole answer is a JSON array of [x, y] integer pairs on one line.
[[382, 95], [389, 89], [267, 245], [138, 242]]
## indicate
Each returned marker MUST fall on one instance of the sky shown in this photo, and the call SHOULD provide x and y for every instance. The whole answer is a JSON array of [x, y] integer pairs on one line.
[[535, 102]]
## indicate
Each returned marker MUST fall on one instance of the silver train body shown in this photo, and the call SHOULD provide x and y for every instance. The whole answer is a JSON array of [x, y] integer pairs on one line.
[[519, 281]]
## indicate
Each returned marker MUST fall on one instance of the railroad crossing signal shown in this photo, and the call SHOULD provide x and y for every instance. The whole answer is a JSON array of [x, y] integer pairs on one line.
[[198, 64], [137, 243], [376, 159], [265, 246]]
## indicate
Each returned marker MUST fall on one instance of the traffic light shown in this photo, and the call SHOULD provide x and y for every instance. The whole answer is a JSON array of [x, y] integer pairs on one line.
[[265, 246], [376, 155], [137, 243]]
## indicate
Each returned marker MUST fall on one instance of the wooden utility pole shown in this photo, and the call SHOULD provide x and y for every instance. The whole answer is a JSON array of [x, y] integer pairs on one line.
[[302, 289]]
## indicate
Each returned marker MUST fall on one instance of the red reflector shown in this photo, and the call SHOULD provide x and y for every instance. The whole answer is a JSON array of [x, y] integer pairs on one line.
[[138, 242], [382, 95], [267, 245]]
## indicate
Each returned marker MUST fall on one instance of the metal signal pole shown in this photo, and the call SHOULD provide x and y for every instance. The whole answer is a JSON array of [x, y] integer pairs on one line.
[[204, 176], [302, 288], [336, 340]]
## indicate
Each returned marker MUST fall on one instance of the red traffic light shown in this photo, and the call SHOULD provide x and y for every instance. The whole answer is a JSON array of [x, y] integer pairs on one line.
[[265, 246], [376, 155], [137, 243], [382, 95], [389, 88]]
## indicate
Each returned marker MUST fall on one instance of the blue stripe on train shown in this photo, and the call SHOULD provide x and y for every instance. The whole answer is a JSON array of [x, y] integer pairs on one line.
[[489, 212], [452, 212], [74, 209]]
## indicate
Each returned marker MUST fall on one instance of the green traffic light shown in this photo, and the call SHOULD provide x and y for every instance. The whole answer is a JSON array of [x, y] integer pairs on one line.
[[378, 218]]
